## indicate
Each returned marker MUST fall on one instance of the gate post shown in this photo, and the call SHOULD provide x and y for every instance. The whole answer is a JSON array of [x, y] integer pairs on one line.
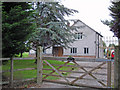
[[39, 65], [108, 73], [11, 72], [117, 67]]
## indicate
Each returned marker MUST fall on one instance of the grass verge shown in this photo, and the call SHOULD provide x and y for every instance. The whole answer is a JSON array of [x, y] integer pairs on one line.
[[21, 64]]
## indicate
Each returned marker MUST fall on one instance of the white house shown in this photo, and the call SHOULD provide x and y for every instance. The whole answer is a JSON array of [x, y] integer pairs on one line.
[[87, 44]]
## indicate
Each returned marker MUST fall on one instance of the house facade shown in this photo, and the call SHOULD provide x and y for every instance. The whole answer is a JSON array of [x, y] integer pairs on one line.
[[87, 43]]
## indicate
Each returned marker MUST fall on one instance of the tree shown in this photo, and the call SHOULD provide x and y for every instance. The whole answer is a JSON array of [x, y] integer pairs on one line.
[[16, 27], [114, 24], [111, 45], [52, 28], [104, 45]]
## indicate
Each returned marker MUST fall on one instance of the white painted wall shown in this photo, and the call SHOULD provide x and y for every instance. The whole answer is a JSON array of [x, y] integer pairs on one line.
[[32, 51], [87, 41], [49, 51], [100, 47]]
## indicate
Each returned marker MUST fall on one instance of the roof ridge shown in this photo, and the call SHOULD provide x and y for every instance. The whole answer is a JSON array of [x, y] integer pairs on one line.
[[77, 20]]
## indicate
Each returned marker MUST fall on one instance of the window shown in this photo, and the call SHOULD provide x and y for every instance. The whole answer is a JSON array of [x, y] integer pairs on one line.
[[79, 35], [73, 50], [86, 50]]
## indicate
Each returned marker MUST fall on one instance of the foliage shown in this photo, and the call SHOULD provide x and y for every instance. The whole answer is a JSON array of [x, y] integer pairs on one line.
[[104, 45], [111, 45], [16, 27], [25, 54], [52, 28], [69, 56], [115, 23]]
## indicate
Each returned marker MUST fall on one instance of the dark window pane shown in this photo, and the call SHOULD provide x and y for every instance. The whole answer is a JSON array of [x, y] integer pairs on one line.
[[87, 50], [75, 50], [71, 50], [78, 35], [81, 36], [84, 50]]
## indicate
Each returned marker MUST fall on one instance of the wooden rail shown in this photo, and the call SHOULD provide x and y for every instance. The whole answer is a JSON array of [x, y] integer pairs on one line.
[[78, 59], [62, 59], [74, 66], [15, 81], [74, 71], [75, 84], [31, 58], [18, 70], [74, 77]]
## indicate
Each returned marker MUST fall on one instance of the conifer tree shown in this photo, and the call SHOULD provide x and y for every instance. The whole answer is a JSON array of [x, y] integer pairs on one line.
[[16, 27], [114, 24], [52, 28]]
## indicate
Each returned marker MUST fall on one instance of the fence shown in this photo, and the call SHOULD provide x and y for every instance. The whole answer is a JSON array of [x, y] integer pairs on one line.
[[14, 70], [110, 40], [40, 69]]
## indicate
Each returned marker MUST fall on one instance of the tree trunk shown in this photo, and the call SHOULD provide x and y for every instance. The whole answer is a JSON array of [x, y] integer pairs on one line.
[[21, 54], [119, 42], [36, 55]]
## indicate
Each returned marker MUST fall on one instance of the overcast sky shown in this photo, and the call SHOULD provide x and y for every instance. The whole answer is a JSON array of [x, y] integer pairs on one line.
[[91, 12]]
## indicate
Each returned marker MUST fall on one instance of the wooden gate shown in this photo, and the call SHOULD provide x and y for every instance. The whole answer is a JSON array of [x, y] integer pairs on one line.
[[87, 71]]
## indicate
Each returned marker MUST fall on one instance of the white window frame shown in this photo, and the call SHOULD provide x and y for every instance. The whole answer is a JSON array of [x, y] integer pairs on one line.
[[79, 36], [73, 50], [86, 50]]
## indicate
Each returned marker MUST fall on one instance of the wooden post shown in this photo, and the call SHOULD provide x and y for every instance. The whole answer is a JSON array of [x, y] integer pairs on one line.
[[11, 73], [39, 65], [117, 67], [109, 74]]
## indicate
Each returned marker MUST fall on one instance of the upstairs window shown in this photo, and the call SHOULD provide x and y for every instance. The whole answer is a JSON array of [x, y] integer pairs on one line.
[[86, 50], [79, 35], [73, 50]]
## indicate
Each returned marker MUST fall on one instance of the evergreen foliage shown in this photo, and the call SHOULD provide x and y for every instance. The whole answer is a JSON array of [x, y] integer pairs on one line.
[[111, 45], [16, 27], [52, 28], [114, 24]]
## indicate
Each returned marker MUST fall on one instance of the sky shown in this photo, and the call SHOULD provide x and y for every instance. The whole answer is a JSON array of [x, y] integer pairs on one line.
[[91, 12]]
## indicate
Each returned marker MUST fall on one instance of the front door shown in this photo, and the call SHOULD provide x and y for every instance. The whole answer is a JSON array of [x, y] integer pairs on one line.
[[57, 51]]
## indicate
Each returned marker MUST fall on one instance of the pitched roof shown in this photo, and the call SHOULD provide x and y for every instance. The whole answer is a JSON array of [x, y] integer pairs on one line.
[[77, 20]]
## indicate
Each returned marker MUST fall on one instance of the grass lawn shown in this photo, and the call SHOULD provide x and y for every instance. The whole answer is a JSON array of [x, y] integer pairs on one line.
[[25, 54], [20, 64]]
